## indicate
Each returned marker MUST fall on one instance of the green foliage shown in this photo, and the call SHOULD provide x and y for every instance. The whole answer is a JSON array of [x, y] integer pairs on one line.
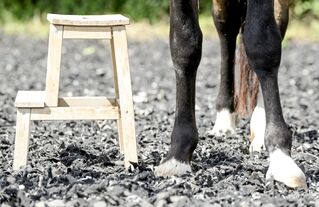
[[305, 8], [136, 9], [149, 9], [141, 9]]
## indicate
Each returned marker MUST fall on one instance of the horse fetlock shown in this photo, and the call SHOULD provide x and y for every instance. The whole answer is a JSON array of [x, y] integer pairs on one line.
[[183, 142], [225, 123], [278, 136], [282, 168]]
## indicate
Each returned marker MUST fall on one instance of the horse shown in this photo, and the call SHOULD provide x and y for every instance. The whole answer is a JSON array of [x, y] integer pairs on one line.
[[261, 24]]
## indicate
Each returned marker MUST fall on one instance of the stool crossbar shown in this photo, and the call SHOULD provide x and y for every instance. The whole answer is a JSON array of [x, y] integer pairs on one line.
[[47, 105]]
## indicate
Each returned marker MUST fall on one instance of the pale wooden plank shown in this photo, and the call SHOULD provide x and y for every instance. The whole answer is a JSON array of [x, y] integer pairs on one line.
[[74, 113], [27, 99], [116, 88], [125, 94], [88, 20], [53, 65], [86, 32], [87, 101], [21, 145]]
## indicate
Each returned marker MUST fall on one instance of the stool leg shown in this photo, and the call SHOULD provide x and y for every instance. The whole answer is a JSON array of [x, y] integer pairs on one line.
[[21, 145], [125, 94], [116, 87], [53, 65]]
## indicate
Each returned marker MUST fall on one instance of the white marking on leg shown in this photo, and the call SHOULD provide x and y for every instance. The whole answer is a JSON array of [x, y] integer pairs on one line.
[[282, 168], [225, 123], [258, 126], [172, 167]]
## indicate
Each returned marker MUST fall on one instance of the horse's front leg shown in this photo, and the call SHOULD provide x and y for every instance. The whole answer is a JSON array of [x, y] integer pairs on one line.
[[186, 46], [227, 19], [262, 41]]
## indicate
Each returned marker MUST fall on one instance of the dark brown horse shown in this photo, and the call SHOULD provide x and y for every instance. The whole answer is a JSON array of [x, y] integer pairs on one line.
[[262, 25]]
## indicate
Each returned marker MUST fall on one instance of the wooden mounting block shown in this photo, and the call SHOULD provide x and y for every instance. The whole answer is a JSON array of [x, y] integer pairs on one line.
[[47, 105]]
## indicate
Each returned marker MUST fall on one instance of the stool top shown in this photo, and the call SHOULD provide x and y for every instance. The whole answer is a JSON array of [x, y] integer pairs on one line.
[[88, 20]]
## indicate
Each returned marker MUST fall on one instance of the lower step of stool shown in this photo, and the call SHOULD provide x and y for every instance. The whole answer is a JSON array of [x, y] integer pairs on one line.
[[79, 108], [69, 108]]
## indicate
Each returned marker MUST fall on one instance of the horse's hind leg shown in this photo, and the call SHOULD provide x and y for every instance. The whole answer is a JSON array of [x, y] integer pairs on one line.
[[258, 119], [262, 40], [227, 19], [257, 126], [186, 47], [282, 15]]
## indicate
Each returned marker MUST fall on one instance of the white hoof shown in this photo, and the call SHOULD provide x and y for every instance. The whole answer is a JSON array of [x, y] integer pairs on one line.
[[172, 167], [282, 168], [257, 129], [225, 123]]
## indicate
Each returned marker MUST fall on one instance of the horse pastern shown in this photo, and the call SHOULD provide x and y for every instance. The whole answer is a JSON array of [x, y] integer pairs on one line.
[[257, 129], [251, 136]]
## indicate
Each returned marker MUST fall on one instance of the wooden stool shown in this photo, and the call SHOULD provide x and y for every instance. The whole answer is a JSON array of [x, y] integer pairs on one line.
[[47, 105]]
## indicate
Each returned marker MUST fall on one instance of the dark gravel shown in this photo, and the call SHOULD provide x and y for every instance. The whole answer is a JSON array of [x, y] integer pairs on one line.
[[79, 164]]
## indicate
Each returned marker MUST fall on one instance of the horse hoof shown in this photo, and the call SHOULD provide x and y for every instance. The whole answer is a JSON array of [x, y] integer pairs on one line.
[[282, 168], [257, 144], [172, 167], [225, 124], [257, 129]]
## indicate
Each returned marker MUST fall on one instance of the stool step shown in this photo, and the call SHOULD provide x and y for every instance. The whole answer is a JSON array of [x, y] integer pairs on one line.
[[30, 99], [88, 20], [79, 108], [87, 101]]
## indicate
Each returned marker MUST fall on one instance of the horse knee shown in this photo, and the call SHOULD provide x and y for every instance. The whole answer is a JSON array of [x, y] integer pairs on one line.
[[262, 38], [186, 47], [227, 18], [282, 15], [263, 56]]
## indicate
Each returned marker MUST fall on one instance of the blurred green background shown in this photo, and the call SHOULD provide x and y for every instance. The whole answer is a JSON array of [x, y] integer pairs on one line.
[[152, 10], [303, 12]]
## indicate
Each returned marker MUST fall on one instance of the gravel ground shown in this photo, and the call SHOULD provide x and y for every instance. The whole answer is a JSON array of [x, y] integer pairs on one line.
[[79, 164]]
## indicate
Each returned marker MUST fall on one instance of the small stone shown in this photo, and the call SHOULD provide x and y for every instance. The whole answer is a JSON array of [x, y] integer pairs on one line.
[[11, 179], [56, 203], [6, 205], [21, 187], [162, 195], [100, 204], [161, 203], [117, 190], [40, 204], [269, 205], [119, 162], [307, 146], [179, 200]]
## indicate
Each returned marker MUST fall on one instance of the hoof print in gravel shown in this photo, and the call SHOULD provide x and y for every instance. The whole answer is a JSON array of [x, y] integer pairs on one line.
[[172, 167], [282, 168]]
